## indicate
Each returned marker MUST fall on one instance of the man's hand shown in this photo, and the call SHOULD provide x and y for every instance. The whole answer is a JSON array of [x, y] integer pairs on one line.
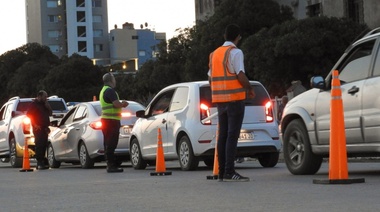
[[251, 93]]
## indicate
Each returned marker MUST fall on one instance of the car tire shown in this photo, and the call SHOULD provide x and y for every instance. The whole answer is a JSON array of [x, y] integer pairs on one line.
[[299, 158], [269, 160], [15, 161], [135, 153], [84, 159], [53, 163], [186, 157]]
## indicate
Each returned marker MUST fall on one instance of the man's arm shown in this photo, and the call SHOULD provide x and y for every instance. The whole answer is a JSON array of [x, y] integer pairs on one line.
[[245, 83], [119, 104]]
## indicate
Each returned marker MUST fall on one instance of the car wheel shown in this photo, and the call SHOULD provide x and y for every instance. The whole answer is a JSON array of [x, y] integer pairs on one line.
[[269, 159], [135, 153], [16, 162], [84, 159], [299, 158], [53, 163], [186, 157]]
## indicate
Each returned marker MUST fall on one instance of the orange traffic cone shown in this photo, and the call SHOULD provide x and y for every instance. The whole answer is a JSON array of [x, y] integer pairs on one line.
[[26, 162], [215, 171], [160, 159], [94, 98], [338, 173]]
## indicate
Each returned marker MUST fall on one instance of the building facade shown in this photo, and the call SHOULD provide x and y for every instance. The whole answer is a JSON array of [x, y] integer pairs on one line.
[[133, 46], [70, 26], [361, 11]]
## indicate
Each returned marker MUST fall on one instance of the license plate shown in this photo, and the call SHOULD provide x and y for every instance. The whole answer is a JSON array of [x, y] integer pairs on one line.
[[246, 136], [127, 130]]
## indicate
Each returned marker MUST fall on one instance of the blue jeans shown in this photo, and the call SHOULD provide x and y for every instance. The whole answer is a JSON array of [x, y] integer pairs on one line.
[[230, 116]]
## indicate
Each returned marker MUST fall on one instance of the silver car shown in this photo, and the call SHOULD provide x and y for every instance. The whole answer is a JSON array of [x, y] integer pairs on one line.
[[78, 138], [305, 124]]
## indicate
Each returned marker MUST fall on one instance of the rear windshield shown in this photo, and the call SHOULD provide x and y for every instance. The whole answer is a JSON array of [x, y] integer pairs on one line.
[[55, 106], [260, 99]]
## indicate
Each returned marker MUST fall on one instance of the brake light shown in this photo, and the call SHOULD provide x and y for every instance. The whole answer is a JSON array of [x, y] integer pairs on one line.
[[205, 112], [96, 125], [26, 125], [269, 112]]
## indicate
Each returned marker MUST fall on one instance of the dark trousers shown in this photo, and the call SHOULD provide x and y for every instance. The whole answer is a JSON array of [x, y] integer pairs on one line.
[[40, 141], [230, 116], [111, 130]]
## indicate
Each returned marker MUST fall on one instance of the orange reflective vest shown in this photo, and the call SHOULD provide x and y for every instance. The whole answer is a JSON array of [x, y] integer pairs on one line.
[[225, 85]]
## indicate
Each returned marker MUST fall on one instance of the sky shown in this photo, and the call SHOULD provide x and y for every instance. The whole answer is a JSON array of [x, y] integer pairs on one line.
[[161, 16]]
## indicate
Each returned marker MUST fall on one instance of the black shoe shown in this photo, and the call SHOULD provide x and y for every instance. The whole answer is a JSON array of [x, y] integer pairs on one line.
[[235, 177], [42, 167], [114, 169]]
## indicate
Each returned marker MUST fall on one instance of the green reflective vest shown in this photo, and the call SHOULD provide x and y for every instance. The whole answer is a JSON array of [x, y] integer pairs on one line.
[[108, 110]]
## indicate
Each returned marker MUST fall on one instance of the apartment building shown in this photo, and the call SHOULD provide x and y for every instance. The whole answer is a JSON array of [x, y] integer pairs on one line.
[[133, 47], [361, 11], [70, 26]]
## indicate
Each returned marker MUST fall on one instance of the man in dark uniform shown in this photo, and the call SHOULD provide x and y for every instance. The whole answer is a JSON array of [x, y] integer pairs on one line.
[[111, 115], [39, 112]]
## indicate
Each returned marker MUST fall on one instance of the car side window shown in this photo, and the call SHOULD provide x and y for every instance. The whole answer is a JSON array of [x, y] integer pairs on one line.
[[179, 99], [162, 103], [376, 70], [356, 66], [80, 113], [68, 118], [8, 111], [2, 112]]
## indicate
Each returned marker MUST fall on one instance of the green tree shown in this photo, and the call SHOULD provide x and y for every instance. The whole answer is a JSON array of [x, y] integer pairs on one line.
[[297, 50]]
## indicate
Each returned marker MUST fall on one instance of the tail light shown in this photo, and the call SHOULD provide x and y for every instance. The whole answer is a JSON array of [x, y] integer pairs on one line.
[[96, 125], [269, 112], [126, 114], [26, 125], [205, 112]]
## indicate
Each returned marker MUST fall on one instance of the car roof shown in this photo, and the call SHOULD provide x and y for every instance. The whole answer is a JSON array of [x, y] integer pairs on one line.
[[202, 83]]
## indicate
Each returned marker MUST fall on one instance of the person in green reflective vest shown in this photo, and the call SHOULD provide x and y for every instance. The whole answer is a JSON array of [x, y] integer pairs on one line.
[[111, 115]]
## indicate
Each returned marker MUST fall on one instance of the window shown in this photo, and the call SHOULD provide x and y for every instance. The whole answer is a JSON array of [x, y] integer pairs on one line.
[[98, 47], [52, 3], [81, 113], [81, 3], [376, 71], [2, 113], [54, 48], [81, 16], [355, 10], [53, 33], [81, 30], [179, 99], [82, 46], [135, 37], [97, 19], [98, 33], [314, 10], [162, 103], [96, 3], [54, 18], [142, 53], [356, 65]]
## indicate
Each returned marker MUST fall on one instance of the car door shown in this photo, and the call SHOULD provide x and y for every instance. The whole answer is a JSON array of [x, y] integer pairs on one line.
[[4, 127], [371, 102], [156, 117], [353, 71], [75, 131]]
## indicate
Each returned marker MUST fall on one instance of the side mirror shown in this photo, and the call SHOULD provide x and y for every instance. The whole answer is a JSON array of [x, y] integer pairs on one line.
[[317, 82], [140, 113]]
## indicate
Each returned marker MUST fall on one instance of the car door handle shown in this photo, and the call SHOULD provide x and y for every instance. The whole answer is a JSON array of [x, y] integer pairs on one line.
[[163, 121], [77, 129], [353, 90], [66, 130]]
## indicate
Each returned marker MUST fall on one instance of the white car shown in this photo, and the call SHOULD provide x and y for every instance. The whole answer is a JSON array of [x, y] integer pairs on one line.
[[178, 110], [79, 139]]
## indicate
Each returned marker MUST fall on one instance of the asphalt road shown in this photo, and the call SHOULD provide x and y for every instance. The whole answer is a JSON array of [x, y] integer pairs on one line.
[[71, 188]]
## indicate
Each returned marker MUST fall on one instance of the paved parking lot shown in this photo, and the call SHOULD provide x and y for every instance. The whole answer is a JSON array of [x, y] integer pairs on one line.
[[71, 188]]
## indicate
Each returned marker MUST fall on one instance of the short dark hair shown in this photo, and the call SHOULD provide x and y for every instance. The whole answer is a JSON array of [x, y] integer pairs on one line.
[[231, 32]]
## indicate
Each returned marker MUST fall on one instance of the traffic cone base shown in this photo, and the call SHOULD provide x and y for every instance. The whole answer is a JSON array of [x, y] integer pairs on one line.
[[160, 159], [340, 181], [25, 161]]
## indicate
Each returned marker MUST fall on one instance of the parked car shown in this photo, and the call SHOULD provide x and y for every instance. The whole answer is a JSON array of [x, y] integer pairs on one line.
[[16, 129], [178, 110], [305, 124], [78, 138]]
